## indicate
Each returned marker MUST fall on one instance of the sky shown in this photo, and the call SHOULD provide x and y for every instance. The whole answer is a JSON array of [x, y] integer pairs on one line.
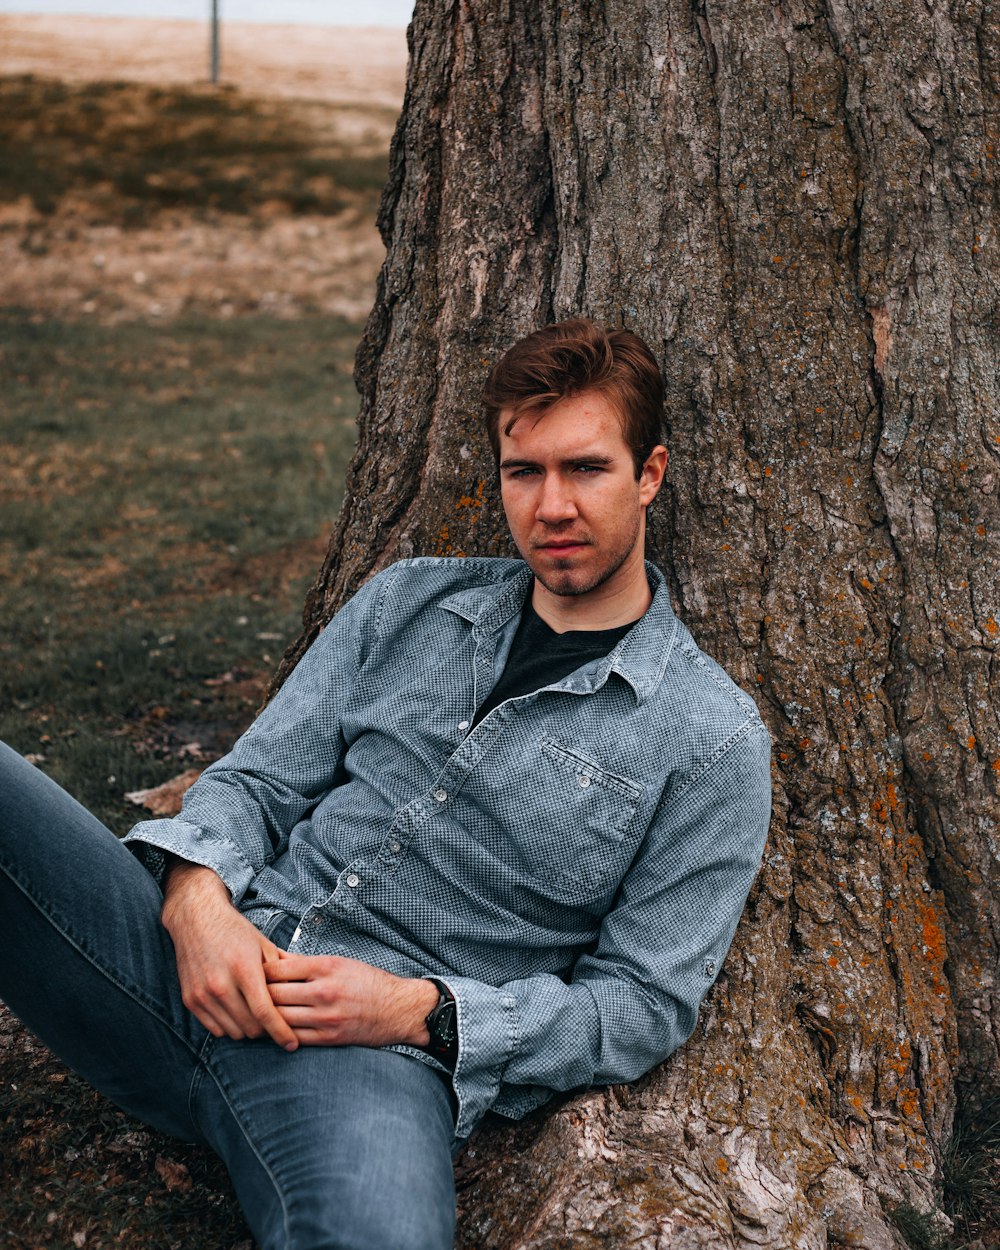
[[317, 12]]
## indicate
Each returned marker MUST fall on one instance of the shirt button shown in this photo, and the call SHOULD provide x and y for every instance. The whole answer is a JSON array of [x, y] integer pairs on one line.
[[353, 880], [584, 782], [710, 969], [463, 724], [317, 919], [394, 847], [441, 795]]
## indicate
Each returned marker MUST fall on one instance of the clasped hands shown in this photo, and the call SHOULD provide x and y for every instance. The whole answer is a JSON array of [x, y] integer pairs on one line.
[[239, 984]]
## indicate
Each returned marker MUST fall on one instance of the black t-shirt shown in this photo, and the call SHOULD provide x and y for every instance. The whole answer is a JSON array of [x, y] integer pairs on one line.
[[539, 656]]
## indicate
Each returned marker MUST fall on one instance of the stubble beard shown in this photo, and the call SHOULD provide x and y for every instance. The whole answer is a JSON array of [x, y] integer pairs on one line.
[[566, 586]]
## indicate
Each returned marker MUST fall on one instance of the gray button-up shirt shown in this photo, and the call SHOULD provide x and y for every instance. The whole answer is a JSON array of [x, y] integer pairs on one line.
[[573, 868]]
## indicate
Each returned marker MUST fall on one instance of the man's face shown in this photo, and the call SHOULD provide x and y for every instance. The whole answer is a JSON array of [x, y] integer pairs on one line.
[[575, 509]]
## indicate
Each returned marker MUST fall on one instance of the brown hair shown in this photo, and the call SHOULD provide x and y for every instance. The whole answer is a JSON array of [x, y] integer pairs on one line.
[[571, 357]]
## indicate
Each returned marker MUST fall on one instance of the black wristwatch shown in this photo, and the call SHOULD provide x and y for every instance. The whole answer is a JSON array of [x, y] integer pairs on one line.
[[442, 1025]]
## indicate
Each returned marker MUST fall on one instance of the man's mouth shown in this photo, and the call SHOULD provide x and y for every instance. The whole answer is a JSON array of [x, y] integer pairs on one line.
[[561, 546]]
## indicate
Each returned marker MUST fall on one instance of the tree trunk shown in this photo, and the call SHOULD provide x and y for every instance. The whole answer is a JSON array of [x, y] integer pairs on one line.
[[793, 205]]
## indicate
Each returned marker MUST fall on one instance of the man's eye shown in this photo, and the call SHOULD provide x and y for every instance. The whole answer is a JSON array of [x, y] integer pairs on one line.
[[521, 472], [590, 468]]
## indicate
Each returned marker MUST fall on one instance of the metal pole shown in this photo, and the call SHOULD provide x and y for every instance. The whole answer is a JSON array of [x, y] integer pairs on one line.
[[215, 41]]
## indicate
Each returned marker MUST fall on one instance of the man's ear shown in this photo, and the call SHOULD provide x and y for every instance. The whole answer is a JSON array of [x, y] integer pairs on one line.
[[652, 475]]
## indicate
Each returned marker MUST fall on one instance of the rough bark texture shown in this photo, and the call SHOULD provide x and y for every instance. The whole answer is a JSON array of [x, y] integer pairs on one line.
[[794, 205]]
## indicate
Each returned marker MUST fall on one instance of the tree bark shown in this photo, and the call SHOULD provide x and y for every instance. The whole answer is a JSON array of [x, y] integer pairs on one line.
[[793, 204]]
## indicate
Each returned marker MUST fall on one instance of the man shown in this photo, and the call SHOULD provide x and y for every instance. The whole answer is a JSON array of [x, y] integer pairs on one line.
[[490, 840]]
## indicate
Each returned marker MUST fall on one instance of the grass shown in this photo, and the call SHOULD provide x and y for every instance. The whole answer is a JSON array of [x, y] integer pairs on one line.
[[971, 1171], [166, 497], [167, 494], [970, 1185]]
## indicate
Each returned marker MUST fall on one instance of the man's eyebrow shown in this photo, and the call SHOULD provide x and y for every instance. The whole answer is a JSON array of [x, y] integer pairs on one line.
[[571, 462]]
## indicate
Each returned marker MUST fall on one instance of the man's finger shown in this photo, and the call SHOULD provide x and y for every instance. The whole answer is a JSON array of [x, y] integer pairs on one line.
[[291, 968], [269, 952], [218, 1020], [302, 1016], [267, 1015], [312, 1037], [289, 993]]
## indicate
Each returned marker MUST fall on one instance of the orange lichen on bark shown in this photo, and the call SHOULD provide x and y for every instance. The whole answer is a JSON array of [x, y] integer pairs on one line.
[[473, 501], [935, 946], [900, 1063]]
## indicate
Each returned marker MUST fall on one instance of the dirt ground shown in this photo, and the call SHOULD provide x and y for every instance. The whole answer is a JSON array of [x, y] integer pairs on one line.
[[343, 85]]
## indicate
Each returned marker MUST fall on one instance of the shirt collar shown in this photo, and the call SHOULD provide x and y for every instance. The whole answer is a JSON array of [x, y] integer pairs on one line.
[[643, 654], [640, 658]]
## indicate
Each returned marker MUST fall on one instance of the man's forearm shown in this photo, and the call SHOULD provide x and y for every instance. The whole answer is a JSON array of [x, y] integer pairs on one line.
[[183, 881]]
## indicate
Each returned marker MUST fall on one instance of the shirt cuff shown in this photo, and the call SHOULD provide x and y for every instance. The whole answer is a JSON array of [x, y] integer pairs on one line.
[[488, 1037], [150, 839]]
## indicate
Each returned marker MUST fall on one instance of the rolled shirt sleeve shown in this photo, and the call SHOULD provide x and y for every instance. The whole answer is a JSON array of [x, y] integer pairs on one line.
[[633, 1000]]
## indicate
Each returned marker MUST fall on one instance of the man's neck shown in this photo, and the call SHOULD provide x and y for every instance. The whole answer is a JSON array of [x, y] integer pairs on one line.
[[620, 606]]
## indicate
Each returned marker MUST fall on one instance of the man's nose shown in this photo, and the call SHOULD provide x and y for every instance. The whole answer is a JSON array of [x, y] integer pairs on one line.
[[555, 501]]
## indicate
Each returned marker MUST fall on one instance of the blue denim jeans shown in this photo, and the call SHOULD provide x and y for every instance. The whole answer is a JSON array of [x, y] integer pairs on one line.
[[327, 1146]]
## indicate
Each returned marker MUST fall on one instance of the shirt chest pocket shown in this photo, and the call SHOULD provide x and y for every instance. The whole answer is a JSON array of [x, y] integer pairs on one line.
[[572, 829]]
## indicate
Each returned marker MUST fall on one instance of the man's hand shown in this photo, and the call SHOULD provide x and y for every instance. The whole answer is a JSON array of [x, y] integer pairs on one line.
[[330, 1001], [220, 957]]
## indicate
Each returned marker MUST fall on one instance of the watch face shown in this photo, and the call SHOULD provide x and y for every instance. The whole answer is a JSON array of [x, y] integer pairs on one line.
[[444, 1022], [442, 1028]]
